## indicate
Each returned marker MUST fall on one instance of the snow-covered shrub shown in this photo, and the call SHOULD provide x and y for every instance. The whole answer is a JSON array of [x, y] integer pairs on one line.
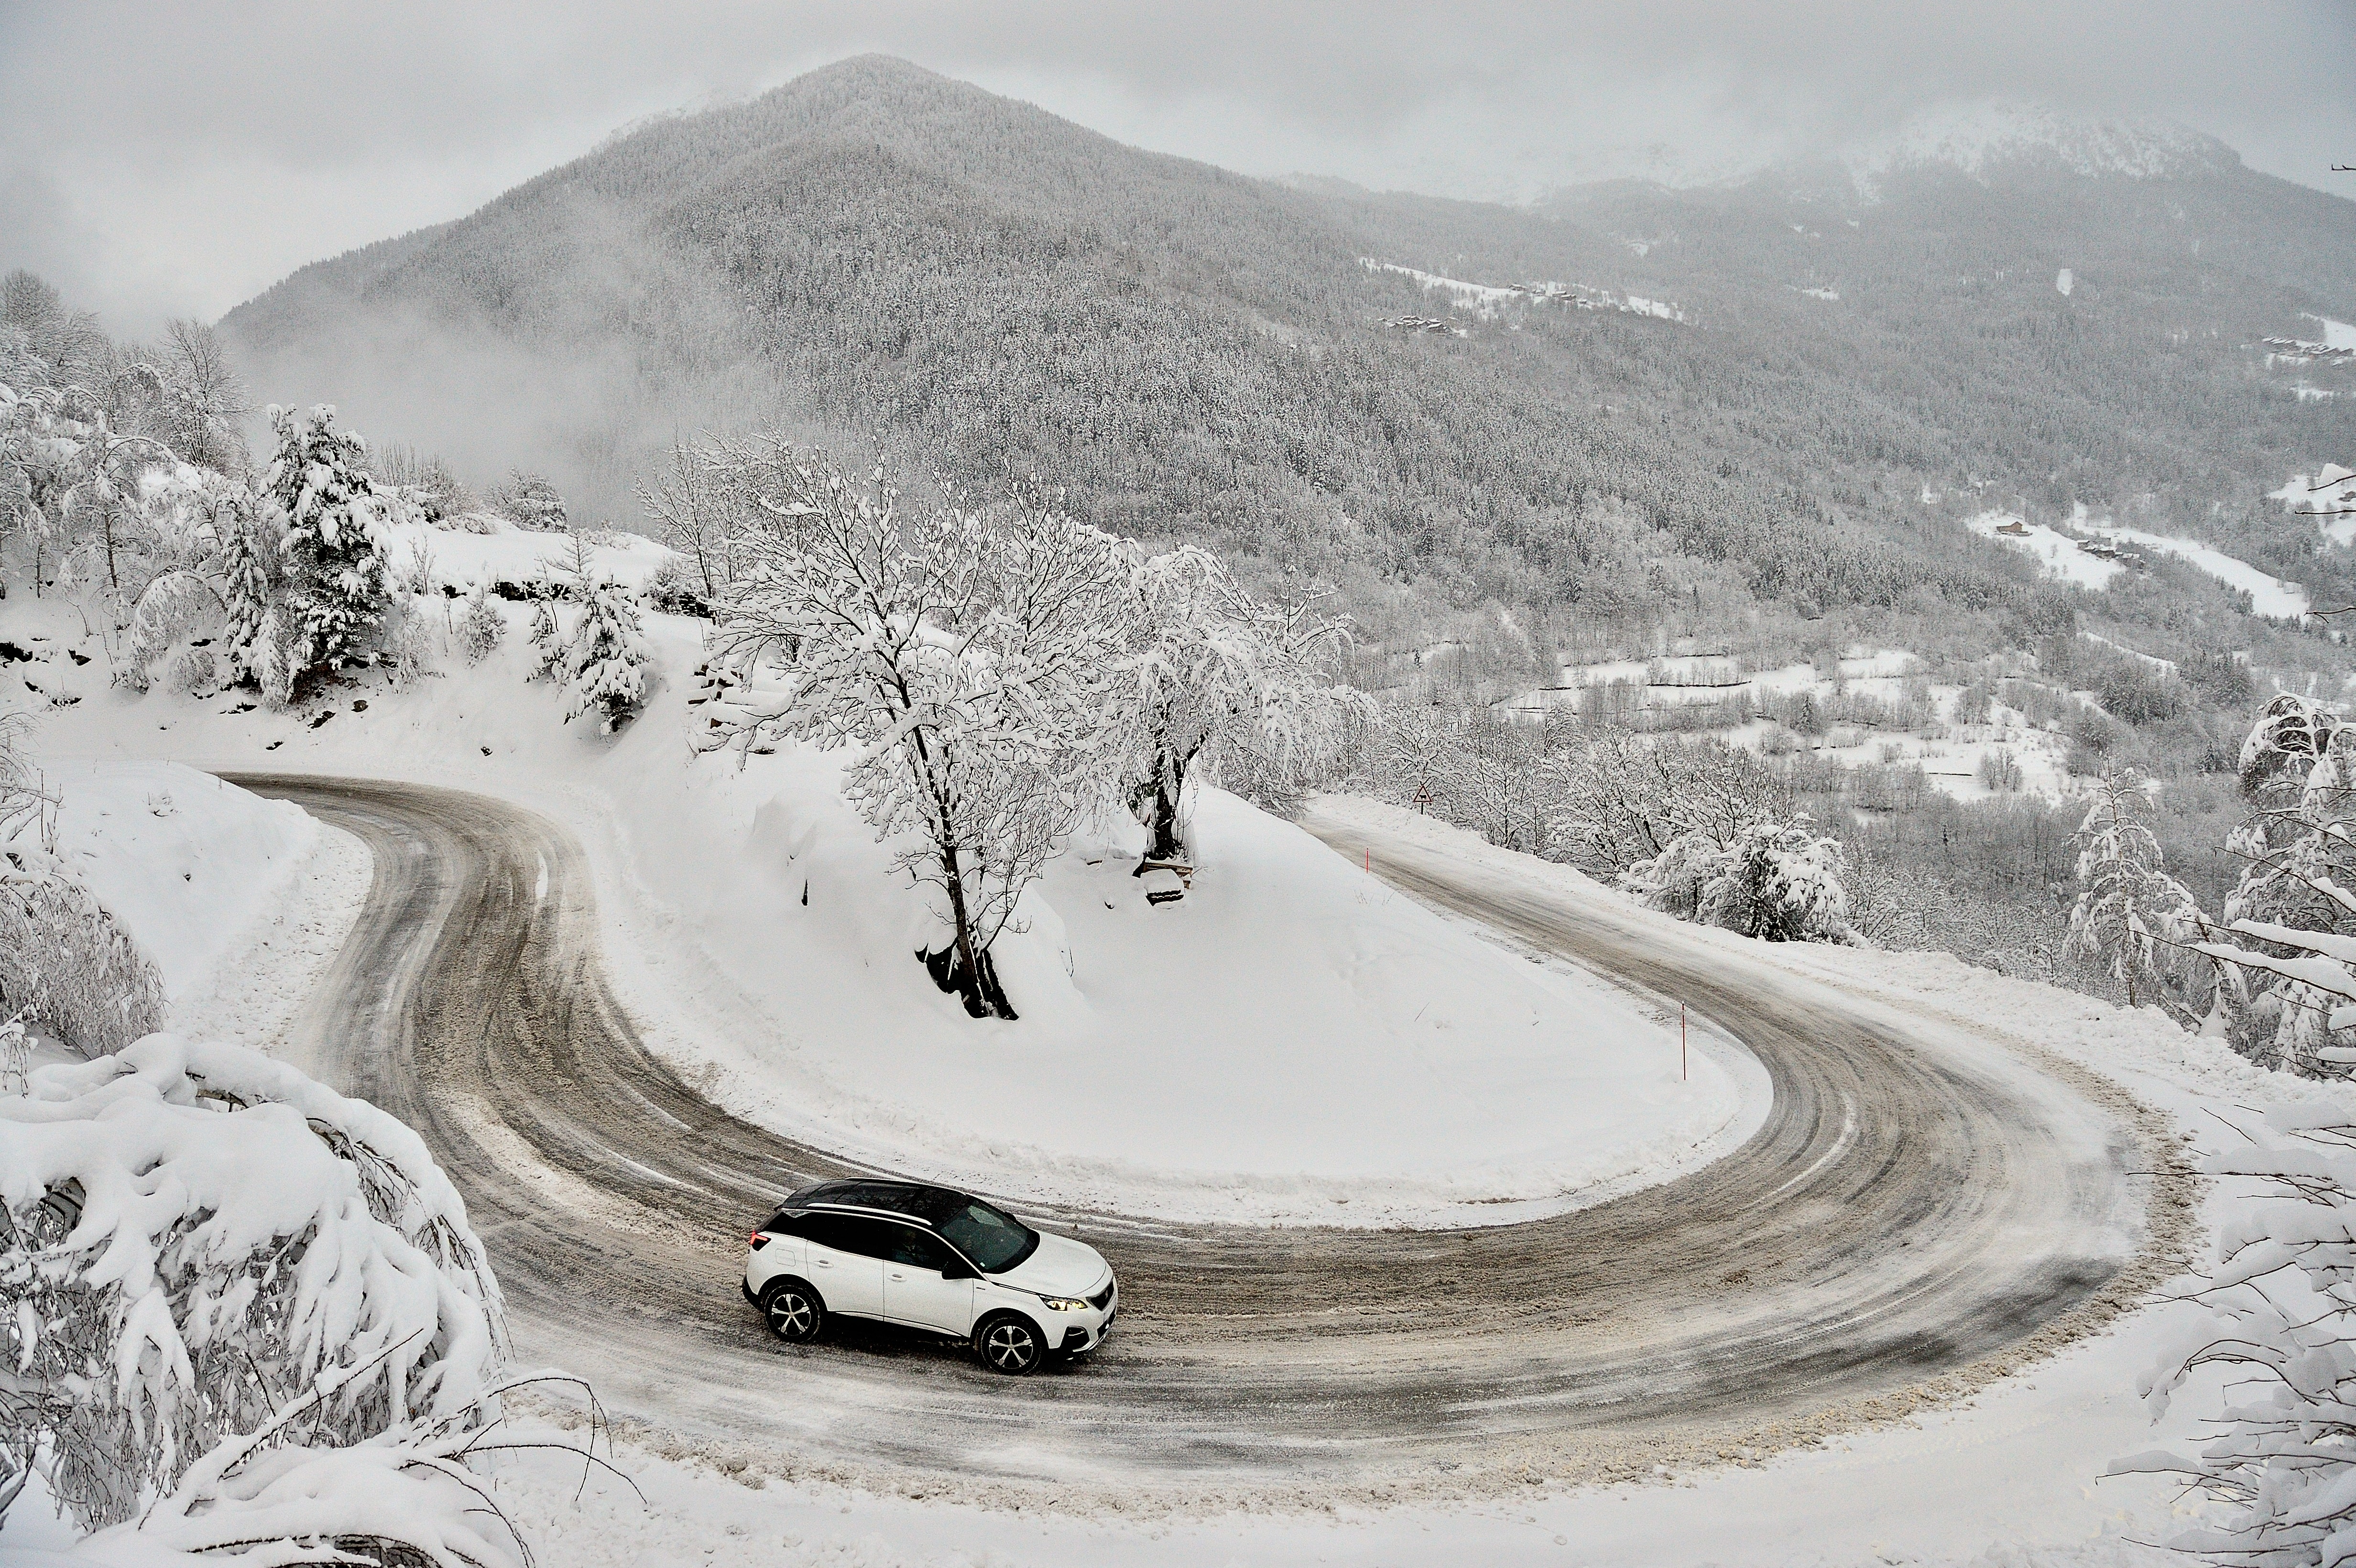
[[408, 1499], [676, 589], [1774, 880], [65, 961], [604, 663], [481, 627], [331, 541], [2282, 1295], [530, 501], [199, 1239]]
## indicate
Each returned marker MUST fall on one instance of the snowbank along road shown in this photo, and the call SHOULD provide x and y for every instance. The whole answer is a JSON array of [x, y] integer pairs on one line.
[[1909, 1217]]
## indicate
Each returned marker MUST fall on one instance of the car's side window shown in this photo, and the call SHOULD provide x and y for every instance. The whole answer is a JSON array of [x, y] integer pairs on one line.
[[917, 1250], [856, 1233], [831, 1230]]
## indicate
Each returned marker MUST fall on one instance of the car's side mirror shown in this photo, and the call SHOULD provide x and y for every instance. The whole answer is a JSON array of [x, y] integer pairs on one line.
[[957, 1268]]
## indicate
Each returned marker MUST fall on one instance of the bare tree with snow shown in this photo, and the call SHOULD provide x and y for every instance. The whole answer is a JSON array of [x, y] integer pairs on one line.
[[963, 656], [1213, 669]]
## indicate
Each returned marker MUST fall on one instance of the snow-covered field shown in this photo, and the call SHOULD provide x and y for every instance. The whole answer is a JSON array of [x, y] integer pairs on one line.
[[2061, 553], [1485, 301], [2269, 596], [458, 558], [1293, 1040], [1950, 753]]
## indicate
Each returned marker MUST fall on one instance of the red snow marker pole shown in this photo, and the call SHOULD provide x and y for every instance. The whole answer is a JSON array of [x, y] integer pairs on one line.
[[1370, 860]]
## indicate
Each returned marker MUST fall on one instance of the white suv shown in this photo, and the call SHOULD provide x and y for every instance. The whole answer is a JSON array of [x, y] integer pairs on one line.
[[925, 1257]]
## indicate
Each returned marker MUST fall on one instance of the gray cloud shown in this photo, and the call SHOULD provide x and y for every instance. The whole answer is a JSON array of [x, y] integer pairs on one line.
[[160, 160]]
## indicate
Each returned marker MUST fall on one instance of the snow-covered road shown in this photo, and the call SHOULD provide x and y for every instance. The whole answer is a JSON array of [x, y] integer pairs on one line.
[[1917, 1213]]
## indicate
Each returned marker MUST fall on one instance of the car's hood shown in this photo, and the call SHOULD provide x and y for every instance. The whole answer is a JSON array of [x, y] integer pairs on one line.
[[1060, 1266]]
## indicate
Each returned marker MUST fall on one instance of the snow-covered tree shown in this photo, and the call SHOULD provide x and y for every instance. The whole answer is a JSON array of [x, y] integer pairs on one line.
[[2132, 920], [1213, 669], [547, 636], [1778, 882], [965, 659], [531, 501], [603, 663], [2282, 1327], [2298, 846], [199, 1239], [331, 540], [247, 554], [481, 627]]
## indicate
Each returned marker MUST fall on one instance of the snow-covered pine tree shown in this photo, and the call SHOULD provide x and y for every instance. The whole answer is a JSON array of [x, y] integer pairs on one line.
[[2132, 918], [245, 588], [547, 634], [481, 627], [604, 662], [331, 539]]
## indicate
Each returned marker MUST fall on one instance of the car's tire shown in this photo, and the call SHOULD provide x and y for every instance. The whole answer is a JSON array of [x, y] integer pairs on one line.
[[1010, 1343], [793, 1309]]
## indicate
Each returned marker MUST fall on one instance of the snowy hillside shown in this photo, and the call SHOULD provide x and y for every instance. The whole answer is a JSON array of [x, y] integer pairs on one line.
[[1976, 137]]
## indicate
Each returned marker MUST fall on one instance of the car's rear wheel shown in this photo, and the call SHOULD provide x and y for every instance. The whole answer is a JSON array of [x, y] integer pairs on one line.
[[1010, 1343], [794, 1312]]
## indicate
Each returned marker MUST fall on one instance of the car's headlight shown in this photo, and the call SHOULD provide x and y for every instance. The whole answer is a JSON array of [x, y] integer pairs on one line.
[[1064, 1304]]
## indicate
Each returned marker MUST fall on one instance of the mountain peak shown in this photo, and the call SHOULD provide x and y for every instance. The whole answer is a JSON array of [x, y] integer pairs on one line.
[[1979, 139]]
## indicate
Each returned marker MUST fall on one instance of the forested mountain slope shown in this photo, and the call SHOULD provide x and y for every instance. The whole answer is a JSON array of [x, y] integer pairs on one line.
[[875, 251]]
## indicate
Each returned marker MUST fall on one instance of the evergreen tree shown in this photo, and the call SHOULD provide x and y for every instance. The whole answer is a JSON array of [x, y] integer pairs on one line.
[[604, 660], [547, 638], [2131, 915], [245, 590], [318, 484]]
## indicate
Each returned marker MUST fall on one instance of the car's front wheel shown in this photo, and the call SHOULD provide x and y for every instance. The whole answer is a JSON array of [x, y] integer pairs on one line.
[[793, 1309], [1010, 1343]]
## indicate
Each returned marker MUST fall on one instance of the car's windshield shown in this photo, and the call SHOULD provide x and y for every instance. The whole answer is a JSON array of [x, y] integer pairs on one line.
[[995, 1240]]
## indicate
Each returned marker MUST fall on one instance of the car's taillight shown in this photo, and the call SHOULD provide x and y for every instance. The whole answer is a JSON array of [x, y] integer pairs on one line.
[[759, 1241]]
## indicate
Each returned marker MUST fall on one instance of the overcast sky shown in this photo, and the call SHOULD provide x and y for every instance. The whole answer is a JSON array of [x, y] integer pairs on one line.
[[173, 159]]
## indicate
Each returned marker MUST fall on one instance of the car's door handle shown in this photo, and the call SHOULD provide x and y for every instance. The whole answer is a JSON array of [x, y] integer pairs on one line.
[[899, 1277], [823, 1263]]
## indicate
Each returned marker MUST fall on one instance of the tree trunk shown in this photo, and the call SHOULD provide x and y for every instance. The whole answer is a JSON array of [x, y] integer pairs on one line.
[[1162, 824]]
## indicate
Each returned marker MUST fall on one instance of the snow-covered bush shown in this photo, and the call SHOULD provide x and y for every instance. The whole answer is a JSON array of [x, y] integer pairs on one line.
[[1775, 880], [198, 1239], [603, 666], [2282, 1295], [481, 627], [966, 659], [331, 542], [65, 961], [530, 501]]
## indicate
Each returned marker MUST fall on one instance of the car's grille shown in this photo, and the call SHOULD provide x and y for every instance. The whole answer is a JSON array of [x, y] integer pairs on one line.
[[1101, 1298]]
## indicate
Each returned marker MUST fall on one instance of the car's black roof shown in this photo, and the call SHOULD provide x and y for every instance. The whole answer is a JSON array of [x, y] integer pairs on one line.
[[909, 1200]]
